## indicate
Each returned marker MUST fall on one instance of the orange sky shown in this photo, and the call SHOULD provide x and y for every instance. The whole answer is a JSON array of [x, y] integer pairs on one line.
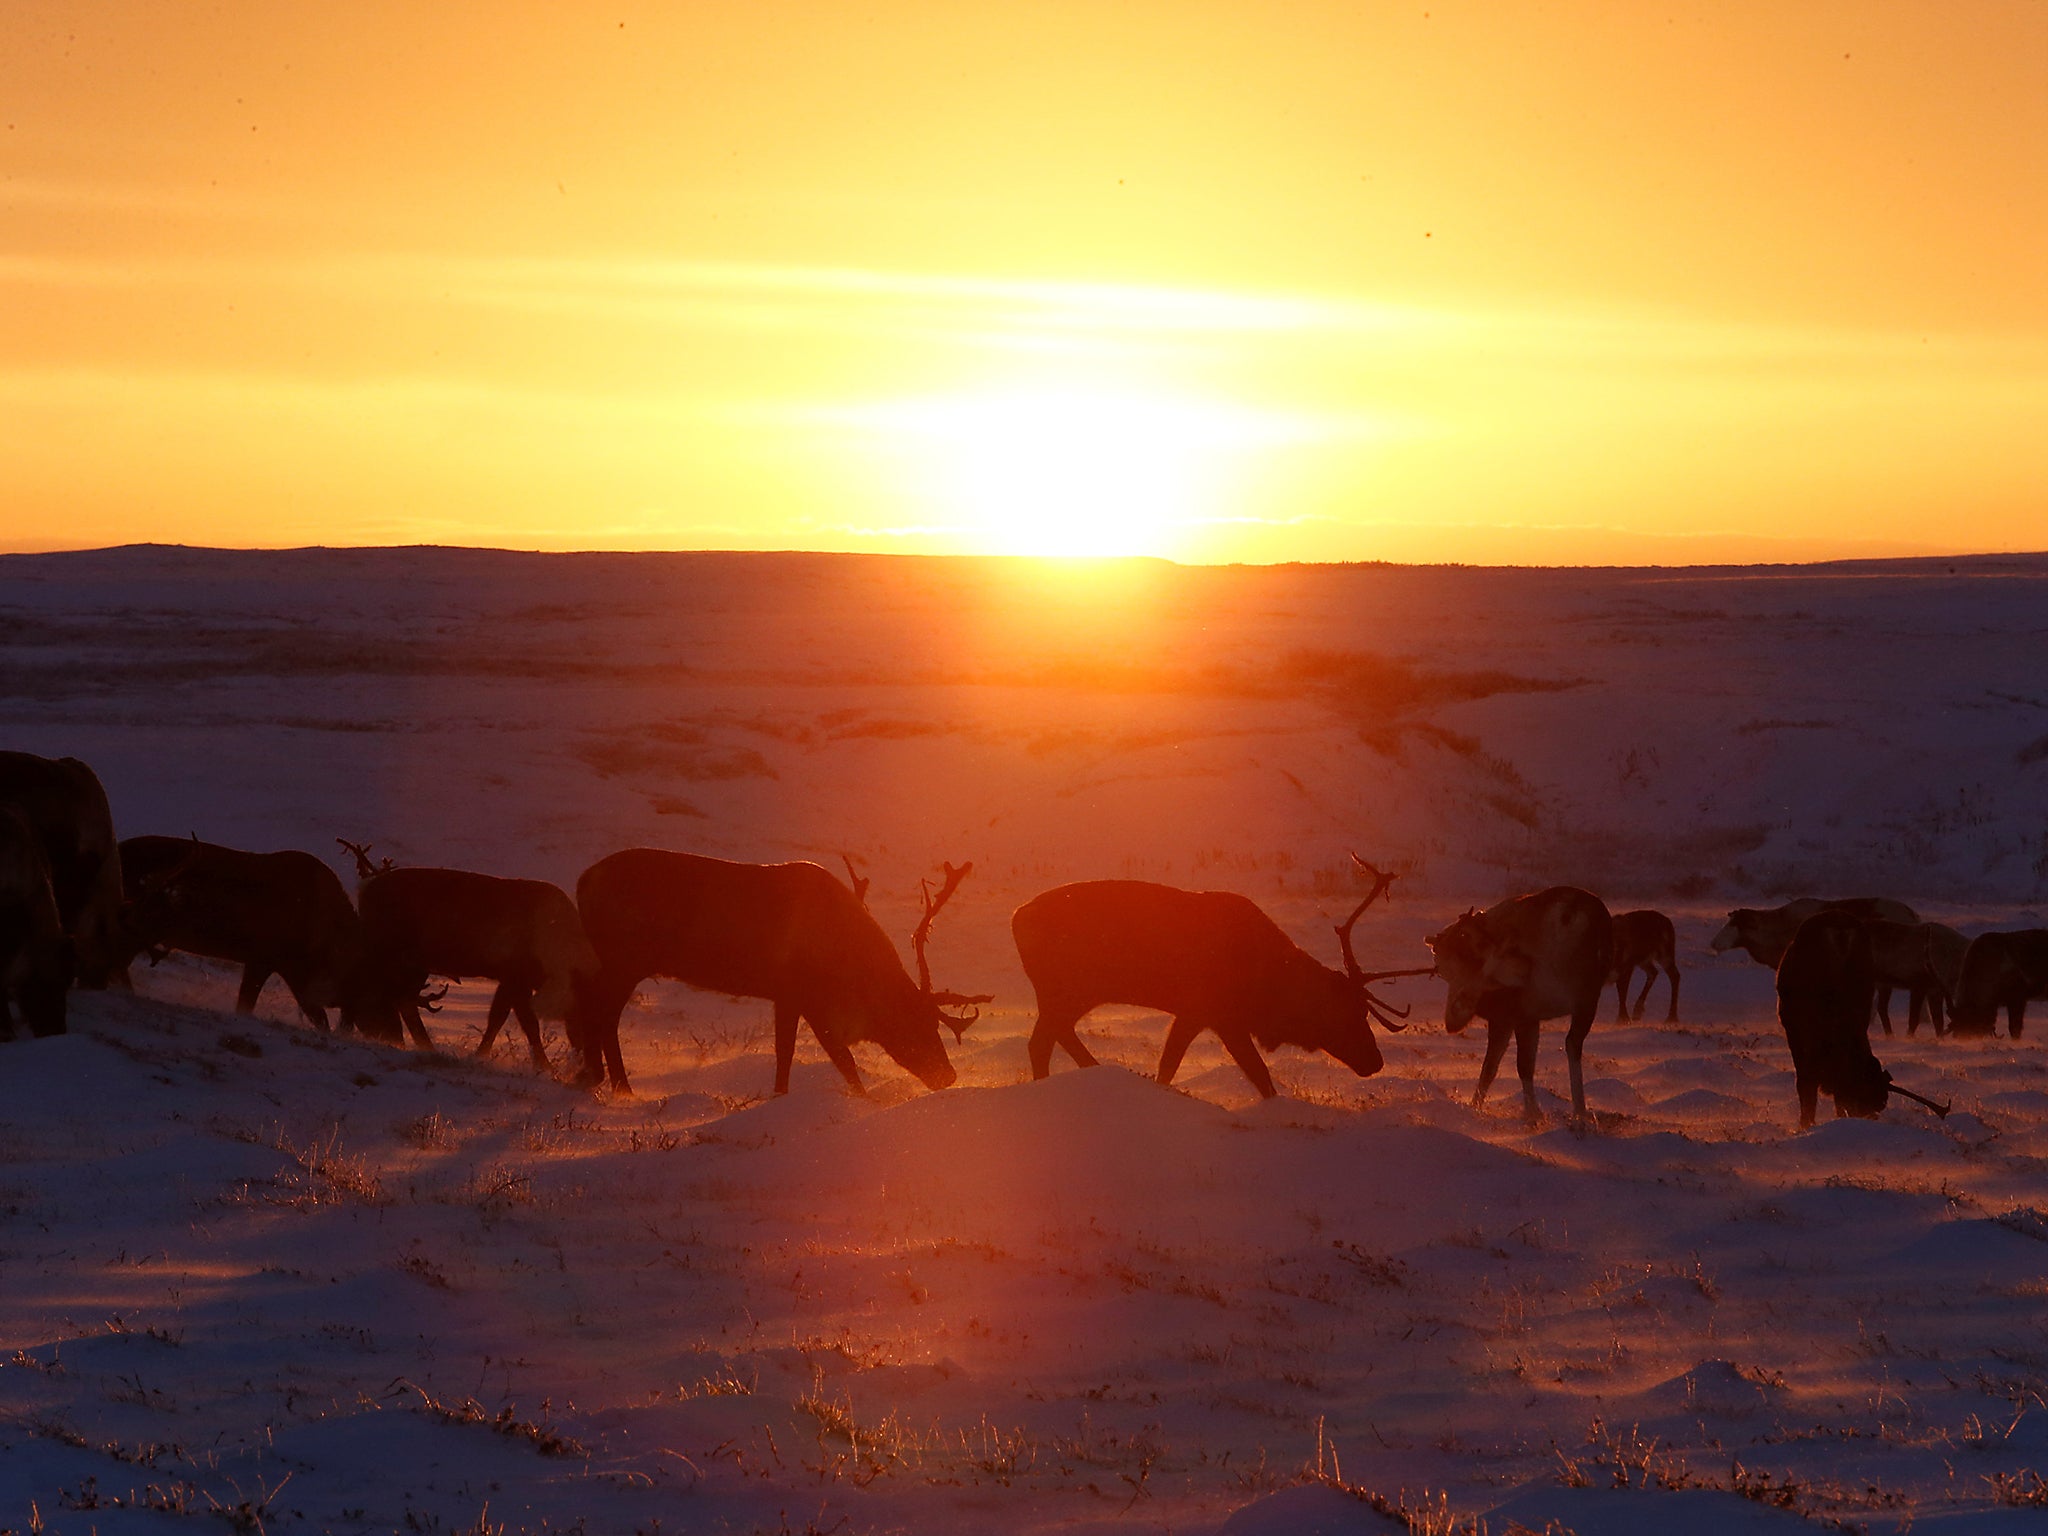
[[1236, 281]]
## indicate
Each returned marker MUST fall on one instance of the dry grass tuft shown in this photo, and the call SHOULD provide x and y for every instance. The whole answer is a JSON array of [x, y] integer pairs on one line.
[[539, 1433]]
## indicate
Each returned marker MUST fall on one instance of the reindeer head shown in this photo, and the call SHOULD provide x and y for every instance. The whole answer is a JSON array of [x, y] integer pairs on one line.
[[1471, 965], [1860, 1086], [1737, 932], [156, 899]]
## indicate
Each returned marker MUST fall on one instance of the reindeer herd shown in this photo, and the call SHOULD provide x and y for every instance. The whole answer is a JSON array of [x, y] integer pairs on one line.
[[77, 908]]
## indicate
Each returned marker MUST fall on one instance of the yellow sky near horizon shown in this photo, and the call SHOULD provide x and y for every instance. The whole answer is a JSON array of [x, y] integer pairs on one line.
[[1216, 281]]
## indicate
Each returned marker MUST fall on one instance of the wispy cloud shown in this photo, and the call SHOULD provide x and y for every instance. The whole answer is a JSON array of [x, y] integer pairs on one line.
[[1016, 313]]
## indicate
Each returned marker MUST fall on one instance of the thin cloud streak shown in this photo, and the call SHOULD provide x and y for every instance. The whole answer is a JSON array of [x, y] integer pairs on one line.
[[1023, 313]]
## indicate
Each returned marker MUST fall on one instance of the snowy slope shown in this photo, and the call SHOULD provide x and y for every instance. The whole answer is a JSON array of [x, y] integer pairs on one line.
[[257, 1275]]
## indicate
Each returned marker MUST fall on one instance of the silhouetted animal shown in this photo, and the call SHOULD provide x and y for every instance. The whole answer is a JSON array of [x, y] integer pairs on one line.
[[283, 914], [1924, 958], [1826, 982], [790, 933], [1211, 959], [2000, 970], [35, 952], [63, 801], [1644, 939], [1765, 933], [523, 934], [1522, 961]]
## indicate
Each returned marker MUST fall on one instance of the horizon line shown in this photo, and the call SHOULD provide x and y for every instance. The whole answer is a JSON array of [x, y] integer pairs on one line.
[[1920, 557]]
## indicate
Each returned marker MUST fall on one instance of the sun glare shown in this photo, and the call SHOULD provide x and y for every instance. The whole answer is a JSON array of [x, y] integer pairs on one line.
[[1081, 472]]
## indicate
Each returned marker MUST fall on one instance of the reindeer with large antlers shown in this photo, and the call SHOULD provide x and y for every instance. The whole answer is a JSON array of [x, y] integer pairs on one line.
[[1211, 959], [793, 934]]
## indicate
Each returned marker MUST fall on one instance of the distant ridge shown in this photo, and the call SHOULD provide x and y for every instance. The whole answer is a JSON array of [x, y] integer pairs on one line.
[[191, 555]]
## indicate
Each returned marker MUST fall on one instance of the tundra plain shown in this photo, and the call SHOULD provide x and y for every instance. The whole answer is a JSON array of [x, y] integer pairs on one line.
[[259, 1278]]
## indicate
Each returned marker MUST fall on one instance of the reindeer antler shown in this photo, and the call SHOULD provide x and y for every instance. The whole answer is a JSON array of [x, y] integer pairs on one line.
[[944, 1000], [1940, 1110], [1377, 1008], [858, 882], [430, 1002], [364, 868], [1381, 880]]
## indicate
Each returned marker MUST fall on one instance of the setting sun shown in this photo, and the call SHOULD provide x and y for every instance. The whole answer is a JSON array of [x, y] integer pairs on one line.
[[1075, 472]]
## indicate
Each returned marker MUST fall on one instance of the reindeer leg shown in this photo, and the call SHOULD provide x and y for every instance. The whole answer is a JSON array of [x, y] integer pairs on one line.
[[786, 1015], [1671, 975], [529, 1021], [1575, 1056], [614, 1062], [409, 1011], [1179, 1036], [1055, 1026], [1649, 980], [501, 1004], [1621, 981], [1245, 1052], [253, 977], [313, 1013], [842, 1058], [1809, 1097], [1527, 1033], [1884, 1007], [594, 1010], [1497, 1037]]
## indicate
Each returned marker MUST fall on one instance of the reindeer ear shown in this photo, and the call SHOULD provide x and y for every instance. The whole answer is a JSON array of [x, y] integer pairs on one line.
[[1509, 968]]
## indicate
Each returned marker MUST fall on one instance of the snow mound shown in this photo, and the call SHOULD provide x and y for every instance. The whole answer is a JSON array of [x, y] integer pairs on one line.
[[1313, 1509], [2009, 1250], [1713, 1388], [1637, 1512], [1703, 1104]]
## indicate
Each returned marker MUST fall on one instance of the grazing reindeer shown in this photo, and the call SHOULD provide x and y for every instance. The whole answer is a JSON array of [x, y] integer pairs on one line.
[[1522, 961], [1643, 939], [1826, 984], [35, 952], [282, 914], [1924, 958], [790, 933], [1765, 933], [2000, 970], [1211, 959], [65, 805], [523, 934]]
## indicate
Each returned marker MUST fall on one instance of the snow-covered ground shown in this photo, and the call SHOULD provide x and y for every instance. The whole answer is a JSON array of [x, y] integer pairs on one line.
[[254, 1276]]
